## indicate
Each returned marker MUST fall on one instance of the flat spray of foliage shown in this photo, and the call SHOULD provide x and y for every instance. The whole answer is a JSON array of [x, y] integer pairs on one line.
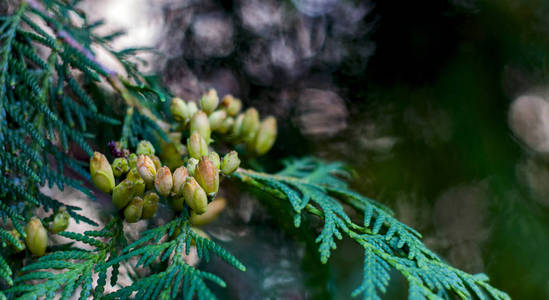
[[47, 75]]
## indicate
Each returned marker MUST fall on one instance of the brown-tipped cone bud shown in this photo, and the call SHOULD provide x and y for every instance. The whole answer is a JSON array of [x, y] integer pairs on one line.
[[201, 124], [191, 165], [195, 196], [132, 160], [214, 209], [214, 157], [134, 210], [163, 182], [207, 175], [226, 125], [250, 123], [197, 146], [231, 105], [37, 237], [60, 221], [101, 172], [179, 177], [123, 193], [145, 147], [179, 110], [120, 166], [146, 168], [150, 205], [216, 119], [230, 163], [209, 101], [156, 161], [266, 136]]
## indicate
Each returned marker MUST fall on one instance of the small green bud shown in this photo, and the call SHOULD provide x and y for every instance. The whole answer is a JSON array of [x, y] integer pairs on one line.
[[200, 124], [195, 196], [179, 177], [60, 221], [266, 136], [207, 175], [214, 157], [163, 181], [216, 119], [133, 175], [236, 130], [146, 168], [134, 210], [230, 163], [156, 161], [197, 146], [132, 160], [193, 109], [145, 147], [101, 172], [120, 166], [150, 205], [191, 165], [226, 125], [214, 209], [123, 193], [138, 182], [231, 105], [179, 110], [209, 101], [37, 237], [250, 123]]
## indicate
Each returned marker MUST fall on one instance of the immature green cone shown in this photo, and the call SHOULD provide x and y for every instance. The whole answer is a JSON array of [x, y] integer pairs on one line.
[[191, 165], [179, 110], [132, 160], [236, 130], [207, 175], [145, 147], [230, 163], [193, 109], [163, 181], [214, 157], [123, 193], [195, 196], [60, 221], [146, 168], [134, 210], [250, 123], [101, 172], [216, 119], [150, 205], [179, 177], [226, 125], [197, 146], [156, 161], [120, 166], [209, 101], [214, 209], [138, 182], [231, 105], [200, 124], [266, 136], [37, 237]]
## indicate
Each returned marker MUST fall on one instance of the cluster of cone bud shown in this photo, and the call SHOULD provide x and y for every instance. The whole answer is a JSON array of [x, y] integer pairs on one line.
[[36, 235], [143, 180], [226, 118]]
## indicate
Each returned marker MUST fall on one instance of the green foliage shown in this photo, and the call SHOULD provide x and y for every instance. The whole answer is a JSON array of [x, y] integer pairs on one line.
[[319, 189], [45, 109]]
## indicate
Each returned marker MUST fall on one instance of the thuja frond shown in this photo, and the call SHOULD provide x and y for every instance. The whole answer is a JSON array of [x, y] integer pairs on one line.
[[319, 189], [167, 245], [67, 270], [46, 107]]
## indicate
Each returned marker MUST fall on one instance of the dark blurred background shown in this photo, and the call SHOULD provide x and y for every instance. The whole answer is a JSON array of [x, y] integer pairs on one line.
[[440, 106]]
